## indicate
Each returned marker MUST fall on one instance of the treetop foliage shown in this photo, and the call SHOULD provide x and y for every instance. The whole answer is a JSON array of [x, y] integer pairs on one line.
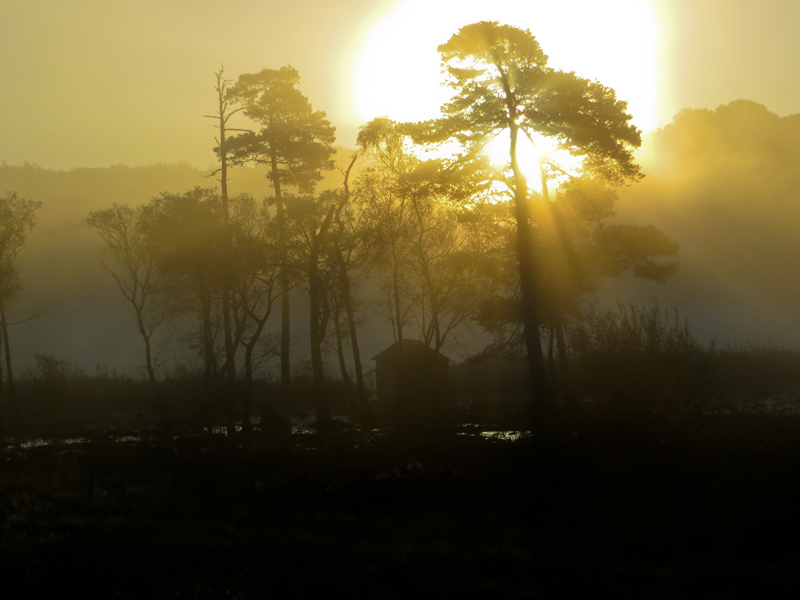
[[500, 79], [387, 142], [17, 218], [293, 137]]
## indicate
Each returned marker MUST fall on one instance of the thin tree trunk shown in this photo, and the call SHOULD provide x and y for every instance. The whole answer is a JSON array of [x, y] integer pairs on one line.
[[286, 334], [154, 390], [12, 393], [223, 114], [347, 299], [543, 181], [433, 332], [211, 367], [396, 293], [151, 371], [2, 404], [361, 390], [230, 351], [317, 333], [317, 366], [551, 361], [563, 357], [247, 400], [348, 383]]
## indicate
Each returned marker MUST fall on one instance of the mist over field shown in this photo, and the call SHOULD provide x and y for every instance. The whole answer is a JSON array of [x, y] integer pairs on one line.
[[723, 183], [69, 307]]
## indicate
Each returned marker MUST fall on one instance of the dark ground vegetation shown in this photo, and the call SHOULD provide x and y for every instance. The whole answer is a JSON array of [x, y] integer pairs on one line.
[[589, 502]]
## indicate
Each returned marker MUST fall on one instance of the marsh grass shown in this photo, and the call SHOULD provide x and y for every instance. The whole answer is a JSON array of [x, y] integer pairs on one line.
[[642, 359], [668, 507], [753, 366], [626, 501]]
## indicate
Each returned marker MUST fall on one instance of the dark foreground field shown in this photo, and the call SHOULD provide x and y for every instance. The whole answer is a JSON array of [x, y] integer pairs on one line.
[[592, 508]]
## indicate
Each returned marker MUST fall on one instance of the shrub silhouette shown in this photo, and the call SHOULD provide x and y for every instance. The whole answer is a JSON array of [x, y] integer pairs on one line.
[[638, 358]]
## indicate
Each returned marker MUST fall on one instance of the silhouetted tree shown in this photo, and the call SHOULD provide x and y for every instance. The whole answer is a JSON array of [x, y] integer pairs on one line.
[[348, 233], [315, 215], [502, 84], [223, 116], [447, 256], [390, 214], [255, 269], [428, 259], [575, 248], [296, 143], [187, 229], [321, 265], [130, 256], [16, 221]]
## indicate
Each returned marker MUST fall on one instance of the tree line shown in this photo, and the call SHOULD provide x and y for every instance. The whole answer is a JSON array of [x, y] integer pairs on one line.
[[448, 238]]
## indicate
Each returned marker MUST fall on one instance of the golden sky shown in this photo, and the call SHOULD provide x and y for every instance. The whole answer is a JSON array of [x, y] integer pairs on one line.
[[102, 82]]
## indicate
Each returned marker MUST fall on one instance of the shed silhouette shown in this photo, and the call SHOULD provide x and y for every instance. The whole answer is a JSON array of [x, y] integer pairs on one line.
[[409, 372]]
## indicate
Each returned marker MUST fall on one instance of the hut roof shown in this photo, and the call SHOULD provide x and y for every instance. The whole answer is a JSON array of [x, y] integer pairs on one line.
[[411, 347]]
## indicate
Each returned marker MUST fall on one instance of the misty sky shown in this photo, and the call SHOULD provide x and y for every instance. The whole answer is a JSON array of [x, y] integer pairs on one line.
[[101, 82]]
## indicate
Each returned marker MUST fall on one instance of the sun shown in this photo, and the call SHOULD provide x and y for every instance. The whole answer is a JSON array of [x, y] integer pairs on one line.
[[615, 42], [560, 164]]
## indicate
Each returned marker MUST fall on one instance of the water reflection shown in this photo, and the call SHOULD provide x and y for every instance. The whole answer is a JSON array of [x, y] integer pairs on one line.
[[777, 403], [502, 436], [505, 436], [300, 426], [43, 443]]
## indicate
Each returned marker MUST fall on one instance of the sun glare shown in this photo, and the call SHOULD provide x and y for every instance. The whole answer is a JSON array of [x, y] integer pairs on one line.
[[529, 153], [615, 42]]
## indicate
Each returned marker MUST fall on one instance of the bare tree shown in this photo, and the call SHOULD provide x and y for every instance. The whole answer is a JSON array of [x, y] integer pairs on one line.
[[256, 283], [349, 231], [390, 215], [132, 259], [447, 267], [223, 116]]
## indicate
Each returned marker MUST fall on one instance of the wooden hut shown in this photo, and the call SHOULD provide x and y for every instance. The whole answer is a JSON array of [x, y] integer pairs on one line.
[[409, 373]]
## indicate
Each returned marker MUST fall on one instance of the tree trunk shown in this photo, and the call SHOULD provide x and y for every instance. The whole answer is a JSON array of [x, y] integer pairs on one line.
[[543, 181], [540, 391], [347, 299], [348, 383], [317, 366], [563, 357], [396, 293], [155, 392], [211, 367], [2, 404], [230, 351], [151, 376], [317, 333], [12, 393], [247, 400], [551, 360], [361, 390], [286, 334]]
